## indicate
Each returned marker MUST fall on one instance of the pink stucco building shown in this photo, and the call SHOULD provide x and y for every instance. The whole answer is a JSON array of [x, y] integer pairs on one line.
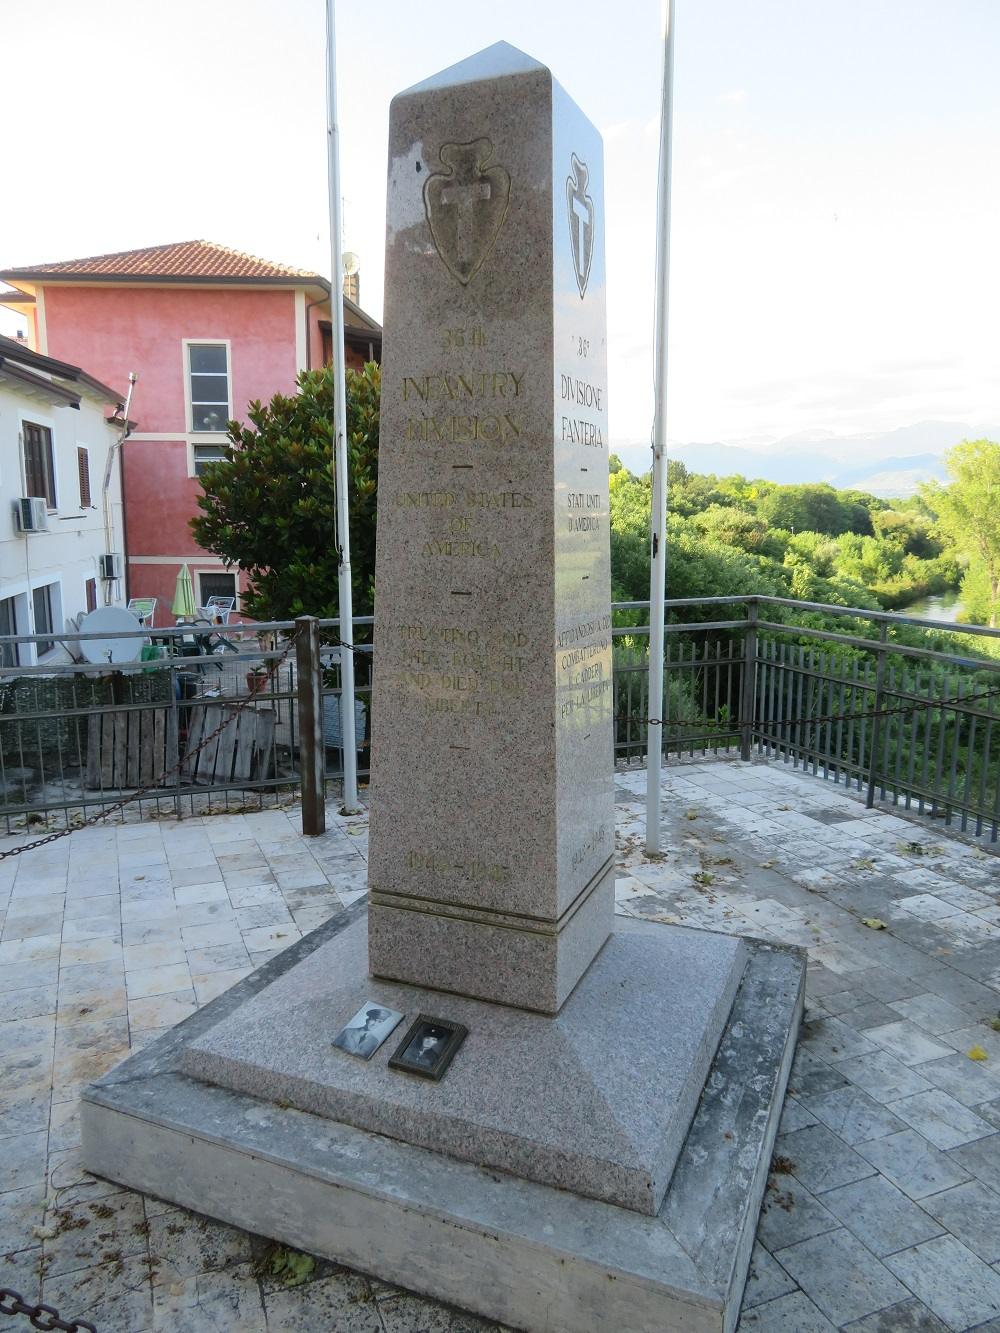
[[208, 330]]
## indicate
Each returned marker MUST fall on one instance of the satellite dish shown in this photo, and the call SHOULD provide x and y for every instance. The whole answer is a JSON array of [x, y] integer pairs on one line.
[[106, 624], [351, 263]]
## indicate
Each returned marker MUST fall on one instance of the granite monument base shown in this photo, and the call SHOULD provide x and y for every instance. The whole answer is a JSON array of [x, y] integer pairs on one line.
[[528, 1254], [597, 1099], [510, 959]]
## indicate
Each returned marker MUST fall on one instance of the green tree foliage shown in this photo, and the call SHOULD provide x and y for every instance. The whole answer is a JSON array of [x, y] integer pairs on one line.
[[697, 567], [844, 548], [730, 526], [816, 508], [631, 501], [691, 492], [968, 512], [978, 605], [913, 530], [269, 506]]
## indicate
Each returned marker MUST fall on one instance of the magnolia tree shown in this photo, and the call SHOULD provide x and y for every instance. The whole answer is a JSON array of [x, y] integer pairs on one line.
[[269, 506]]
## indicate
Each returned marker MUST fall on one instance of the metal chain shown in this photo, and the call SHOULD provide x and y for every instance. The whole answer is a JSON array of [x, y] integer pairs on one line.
[[914, 707], [152, 786], [41, 1316]]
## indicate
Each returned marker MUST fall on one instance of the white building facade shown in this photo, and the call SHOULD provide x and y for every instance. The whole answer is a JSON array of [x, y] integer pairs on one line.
[[58, 519]]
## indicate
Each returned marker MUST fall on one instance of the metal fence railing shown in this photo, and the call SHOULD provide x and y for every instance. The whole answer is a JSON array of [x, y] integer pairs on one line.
[[76, 737], [853, 696]]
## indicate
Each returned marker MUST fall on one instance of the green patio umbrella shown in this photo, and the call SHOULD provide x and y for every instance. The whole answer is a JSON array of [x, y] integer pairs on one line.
[[184, 605]]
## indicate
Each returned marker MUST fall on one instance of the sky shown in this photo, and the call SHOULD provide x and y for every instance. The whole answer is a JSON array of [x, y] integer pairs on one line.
[[835, 187]]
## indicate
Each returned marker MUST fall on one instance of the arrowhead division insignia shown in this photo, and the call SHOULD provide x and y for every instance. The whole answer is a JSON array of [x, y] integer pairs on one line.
[[580, 212], [466, 206]]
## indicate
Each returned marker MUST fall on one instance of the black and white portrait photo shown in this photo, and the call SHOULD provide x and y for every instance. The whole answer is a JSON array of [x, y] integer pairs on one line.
[[367, 1030], [425, 1049], [428, 1047]]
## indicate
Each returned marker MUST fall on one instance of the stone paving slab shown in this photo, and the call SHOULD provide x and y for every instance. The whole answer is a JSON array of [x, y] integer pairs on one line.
[[732, 866]]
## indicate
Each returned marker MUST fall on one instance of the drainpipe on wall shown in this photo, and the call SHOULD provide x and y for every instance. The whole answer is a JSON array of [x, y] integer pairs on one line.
[[109, 531], [312, 306]]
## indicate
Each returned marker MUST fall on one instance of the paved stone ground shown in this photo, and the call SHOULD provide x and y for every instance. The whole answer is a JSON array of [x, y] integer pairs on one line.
[[883, 1207]]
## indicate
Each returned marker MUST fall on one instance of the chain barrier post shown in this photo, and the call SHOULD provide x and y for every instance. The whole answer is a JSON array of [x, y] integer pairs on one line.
[[312, 754], [748, 692], [175, 721]]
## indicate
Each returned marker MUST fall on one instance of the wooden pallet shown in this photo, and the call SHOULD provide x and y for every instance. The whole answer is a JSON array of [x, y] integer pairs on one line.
[[242, 752], [130, 749]]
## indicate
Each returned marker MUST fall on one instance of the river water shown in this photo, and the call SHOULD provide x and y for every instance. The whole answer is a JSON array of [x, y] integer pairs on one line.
[[943, 606]]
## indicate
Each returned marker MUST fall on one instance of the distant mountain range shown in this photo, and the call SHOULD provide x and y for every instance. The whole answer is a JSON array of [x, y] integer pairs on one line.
[[890, 464]]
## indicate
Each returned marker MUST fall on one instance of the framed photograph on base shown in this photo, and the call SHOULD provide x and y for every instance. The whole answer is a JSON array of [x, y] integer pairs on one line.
[[428, 1047]]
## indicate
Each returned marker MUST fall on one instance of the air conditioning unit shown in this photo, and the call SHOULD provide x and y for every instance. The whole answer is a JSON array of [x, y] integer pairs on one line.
[[30, 514], [111, 566]]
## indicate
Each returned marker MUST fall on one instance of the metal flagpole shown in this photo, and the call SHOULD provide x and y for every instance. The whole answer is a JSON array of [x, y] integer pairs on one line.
[[343, 536], [658, 518]]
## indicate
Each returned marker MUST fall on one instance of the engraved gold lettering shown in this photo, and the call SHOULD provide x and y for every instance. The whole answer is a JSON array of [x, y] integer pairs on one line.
[[451, 338], [462, 549], [470, 866], [425, 500], [463, 429], [499, 500], [482, 384]]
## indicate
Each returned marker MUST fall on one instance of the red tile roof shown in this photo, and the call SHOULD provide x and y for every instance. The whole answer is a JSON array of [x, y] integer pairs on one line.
[[196, 260]]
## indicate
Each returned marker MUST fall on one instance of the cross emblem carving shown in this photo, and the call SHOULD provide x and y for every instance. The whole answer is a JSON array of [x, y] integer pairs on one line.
[[466, 205]]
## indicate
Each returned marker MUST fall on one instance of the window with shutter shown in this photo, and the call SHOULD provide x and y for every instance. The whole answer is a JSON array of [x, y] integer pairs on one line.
[[83, 470], [39, 468]]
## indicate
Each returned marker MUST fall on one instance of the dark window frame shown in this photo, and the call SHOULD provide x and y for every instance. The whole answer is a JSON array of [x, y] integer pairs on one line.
[[39, 462], [199, 463], [42, 596], [10, 655], [205, 593], [199, 400]]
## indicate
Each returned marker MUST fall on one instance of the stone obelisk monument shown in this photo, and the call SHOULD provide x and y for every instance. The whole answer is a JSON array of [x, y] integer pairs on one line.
[[492, 807], [594, 1156]]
